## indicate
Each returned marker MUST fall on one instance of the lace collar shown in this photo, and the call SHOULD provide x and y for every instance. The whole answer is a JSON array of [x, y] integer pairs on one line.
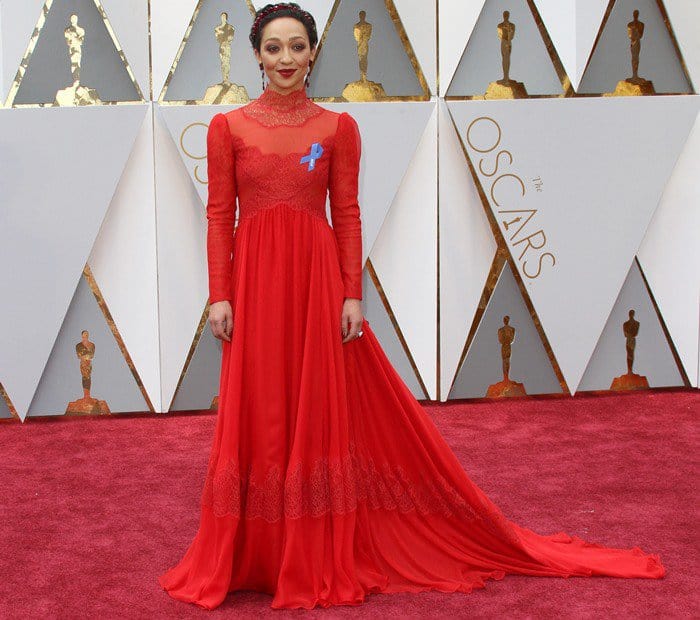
[[273, 108]]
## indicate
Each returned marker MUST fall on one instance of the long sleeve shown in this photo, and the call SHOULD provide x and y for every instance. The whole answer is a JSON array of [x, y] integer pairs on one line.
[[221, 207], [345, 210]]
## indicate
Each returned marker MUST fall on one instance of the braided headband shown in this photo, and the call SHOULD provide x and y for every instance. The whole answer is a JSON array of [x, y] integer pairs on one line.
[[299, 13]]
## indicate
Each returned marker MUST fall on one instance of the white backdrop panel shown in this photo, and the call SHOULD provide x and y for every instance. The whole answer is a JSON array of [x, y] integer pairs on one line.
[[685, 17], [589, 17], [169, 21], [457, 20], [573, 184], [182, 267], [19, 17], [405, 256], [559, 18], [419, 21], [123, 261], [573, 26], [129, 20], [54, 200], [467, 248], [670, 255]]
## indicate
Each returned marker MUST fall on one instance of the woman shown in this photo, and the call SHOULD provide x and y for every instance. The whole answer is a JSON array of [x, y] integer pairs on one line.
[[327, 480]]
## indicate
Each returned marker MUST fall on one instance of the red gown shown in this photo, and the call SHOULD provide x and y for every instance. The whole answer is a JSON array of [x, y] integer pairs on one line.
[[327, 480]]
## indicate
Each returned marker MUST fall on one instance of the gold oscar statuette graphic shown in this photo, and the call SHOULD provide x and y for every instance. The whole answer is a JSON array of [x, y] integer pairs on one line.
[[225, 92], [507, 387], [630, 381], [76, 94], [363, 89], [506, 88], [634, 86], [87, 405]]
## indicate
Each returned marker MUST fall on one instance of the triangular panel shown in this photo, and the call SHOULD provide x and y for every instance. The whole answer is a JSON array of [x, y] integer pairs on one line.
[[182, 266], [509, 56], [467, 247], [572, 185], [375, 311], [364, 55], [130, 21], [573, 26], [670, 255], [77, 180], [483, 365], [215, 63], [456, 22], [408, 237], [17, 22], [93, 361], [123, 261], [199, 384], [644, 345], [73, 59], [635, 53], [684, 17]]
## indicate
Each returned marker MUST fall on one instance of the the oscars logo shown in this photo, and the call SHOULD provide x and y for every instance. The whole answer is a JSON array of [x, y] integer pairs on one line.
[[630, 381], [635, 85], [506, 88], [76, 94], [506, 387], [85, 350], [363, 89], [225, 91]]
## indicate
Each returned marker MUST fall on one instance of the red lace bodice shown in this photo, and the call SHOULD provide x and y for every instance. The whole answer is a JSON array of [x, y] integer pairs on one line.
[[283, 149]]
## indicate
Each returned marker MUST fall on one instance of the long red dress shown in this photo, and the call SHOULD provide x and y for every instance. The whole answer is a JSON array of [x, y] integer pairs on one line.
[[327, 480]]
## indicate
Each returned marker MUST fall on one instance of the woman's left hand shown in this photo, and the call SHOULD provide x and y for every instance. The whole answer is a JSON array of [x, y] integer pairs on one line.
[[351, 320]]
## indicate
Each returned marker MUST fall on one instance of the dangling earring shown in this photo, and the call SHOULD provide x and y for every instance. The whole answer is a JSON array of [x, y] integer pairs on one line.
[[262, 76], [308, 73]]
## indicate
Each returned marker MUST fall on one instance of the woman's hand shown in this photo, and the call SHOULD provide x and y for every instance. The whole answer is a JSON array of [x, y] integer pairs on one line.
[[351, 320], [221, 319]]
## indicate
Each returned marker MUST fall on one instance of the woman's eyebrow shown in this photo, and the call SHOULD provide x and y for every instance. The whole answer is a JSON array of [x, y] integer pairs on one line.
[[296, 36]]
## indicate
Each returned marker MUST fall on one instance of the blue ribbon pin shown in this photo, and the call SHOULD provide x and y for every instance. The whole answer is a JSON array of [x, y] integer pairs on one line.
[[314, 154]]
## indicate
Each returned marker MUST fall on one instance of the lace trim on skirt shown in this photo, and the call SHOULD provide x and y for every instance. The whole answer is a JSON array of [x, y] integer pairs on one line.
[[336, 486]]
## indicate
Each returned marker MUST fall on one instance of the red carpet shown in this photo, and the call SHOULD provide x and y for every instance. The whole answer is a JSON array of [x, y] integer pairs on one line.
[[94, 509]]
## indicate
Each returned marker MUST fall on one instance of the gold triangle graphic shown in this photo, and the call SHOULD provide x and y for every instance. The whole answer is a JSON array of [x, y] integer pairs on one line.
[[671, 34], [372, 93], [181, 49], [85, 98], [8, 402], [511, 89]]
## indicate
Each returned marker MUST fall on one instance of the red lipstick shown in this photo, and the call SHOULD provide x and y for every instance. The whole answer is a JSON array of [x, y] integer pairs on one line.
[[287, 72]]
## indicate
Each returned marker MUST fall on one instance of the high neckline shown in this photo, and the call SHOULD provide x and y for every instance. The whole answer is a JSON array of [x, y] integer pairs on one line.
[[275, 99], [273, 108]]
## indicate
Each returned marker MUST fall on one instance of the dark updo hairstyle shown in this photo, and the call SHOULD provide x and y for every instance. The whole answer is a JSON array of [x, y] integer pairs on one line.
[[282, 9]]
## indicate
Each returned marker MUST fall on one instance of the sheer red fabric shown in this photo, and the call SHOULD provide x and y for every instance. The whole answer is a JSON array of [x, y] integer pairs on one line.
[[327, 480]]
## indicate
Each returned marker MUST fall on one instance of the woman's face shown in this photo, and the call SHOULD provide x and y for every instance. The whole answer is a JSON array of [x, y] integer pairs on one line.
[[285, 53]]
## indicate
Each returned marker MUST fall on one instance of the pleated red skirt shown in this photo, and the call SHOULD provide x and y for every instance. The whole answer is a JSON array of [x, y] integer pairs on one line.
[[327, 480]]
